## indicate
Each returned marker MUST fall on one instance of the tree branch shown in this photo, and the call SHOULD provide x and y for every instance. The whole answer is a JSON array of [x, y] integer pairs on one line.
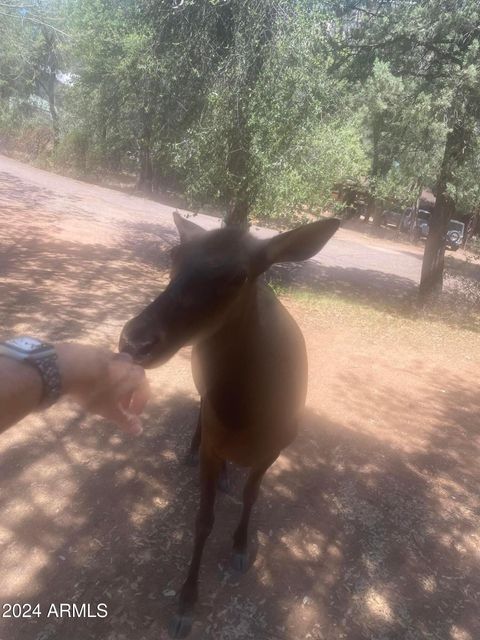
[[30, 19]]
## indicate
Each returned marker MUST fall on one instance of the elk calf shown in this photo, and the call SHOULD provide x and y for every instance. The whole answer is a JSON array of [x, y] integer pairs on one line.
[[249, 362]]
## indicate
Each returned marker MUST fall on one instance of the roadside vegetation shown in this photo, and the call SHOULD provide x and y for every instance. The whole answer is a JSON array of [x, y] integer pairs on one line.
[[444, 323], [272, 109]]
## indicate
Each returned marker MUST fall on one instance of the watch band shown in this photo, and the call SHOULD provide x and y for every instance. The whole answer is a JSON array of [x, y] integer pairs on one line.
[[50, 373], [43, 357]]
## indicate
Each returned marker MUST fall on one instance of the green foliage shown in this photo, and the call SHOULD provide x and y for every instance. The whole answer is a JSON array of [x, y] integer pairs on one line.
[[11, 117], [465, 185], [305, 136], [200, 158], [432, 50], [306, 174], [266, 106], [72, 153]]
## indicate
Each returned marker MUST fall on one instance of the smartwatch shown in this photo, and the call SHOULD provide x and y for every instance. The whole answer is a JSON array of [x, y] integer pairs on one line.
[[40, 355]]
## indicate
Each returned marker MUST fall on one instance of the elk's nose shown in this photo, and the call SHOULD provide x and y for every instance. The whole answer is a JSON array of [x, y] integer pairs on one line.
[[137, 342], [124, 345], [138, 350], [131, 343]]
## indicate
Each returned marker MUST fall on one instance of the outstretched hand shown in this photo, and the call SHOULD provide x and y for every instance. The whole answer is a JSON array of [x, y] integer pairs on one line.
[[105, 384]]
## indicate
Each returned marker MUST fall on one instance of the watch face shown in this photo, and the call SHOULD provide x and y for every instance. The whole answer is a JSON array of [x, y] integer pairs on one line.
[[25, 343]]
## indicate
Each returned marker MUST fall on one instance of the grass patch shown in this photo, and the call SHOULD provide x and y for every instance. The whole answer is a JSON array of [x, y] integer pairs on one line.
[[439, 324]]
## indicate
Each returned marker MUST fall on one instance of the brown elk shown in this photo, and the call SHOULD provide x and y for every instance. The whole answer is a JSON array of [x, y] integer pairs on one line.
[[249, 362]]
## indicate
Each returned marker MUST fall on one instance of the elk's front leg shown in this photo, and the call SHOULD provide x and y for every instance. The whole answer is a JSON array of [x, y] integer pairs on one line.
[[240, 537], [192, 457], [210, 467]]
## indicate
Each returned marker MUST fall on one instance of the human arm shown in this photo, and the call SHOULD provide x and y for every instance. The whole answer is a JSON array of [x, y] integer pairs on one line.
[[103, 383]]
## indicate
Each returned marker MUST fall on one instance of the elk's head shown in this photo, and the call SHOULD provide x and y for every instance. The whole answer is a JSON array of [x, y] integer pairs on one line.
[[211, 275]]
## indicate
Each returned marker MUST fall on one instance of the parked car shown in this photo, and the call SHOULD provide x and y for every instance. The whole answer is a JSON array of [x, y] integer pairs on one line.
[[403, 220], [455, 233], [422, 225], [392, 218], [419, 227]]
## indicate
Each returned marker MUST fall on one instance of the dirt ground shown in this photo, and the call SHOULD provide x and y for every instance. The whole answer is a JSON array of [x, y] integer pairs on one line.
[[367, 527]]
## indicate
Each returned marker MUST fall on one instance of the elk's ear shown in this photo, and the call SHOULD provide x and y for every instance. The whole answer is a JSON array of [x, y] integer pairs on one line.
[[296, 245], [187, 230]]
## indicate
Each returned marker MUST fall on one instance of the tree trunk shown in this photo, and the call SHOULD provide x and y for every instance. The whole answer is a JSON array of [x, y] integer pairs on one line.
[[377, 213], [237, 213], [431, 282], [237, 196], [47, 78], [412, 223], [369, 208], [52, 107], [374, 209], [145, 175], [470, 228]]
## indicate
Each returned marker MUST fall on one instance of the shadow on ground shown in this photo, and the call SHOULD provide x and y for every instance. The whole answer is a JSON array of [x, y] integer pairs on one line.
[[356, 538], [457, 306]]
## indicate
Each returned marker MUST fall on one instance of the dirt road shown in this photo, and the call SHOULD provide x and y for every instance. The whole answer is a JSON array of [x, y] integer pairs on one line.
[[367, 527], [112, 211]]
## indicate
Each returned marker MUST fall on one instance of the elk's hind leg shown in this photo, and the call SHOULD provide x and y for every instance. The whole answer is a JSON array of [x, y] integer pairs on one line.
[[250, 494]]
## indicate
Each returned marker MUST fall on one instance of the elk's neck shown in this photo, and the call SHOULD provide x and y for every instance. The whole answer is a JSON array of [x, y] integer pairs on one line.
[[240, 325]]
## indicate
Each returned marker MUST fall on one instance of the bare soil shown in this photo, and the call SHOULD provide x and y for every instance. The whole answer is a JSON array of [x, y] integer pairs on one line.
[[367, 527]]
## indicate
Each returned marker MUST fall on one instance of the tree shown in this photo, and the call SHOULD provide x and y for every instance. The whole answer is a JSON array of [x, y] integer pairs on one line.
[[259, 107], [306, 132], [224, 48], [409, 144], [163, 69], [30, 61], [436, 43]]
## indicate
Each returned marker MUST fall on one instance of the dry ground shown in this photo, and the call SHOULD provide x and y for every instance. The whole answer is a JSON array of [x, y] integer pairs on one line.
[[368, 526]]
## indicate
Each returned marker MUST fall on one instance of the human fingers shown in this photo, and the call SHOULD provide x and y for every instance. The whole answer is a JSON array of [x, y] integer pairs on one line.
[[127, 422], [135, 401]]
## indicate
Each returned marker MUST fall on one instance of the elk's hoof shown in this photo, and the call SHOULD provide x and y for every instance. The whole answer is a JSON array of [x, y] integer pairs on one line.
[[240, 561], [192, 459], [180, 626]]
